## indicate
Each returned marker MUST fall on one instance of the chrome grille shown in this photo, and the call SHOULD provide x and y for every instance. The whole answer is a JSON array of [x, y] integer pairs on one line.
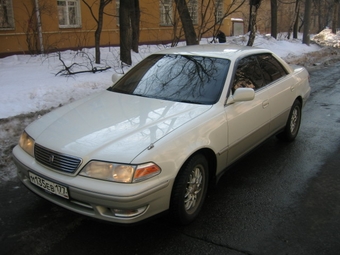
[[56, 160]]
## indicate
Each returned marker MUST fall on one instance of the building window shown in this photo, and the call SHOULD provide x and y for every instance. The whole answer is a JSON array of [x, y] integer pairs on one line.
[[219, 11], [68, 13], [6, 15], [117, 11], [193, 10], [166, 12]]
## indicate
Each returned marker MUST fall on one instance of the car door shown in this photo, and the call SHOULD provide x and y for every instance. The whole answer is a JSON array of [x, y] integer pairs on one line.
[[280, 87], [248, 121]]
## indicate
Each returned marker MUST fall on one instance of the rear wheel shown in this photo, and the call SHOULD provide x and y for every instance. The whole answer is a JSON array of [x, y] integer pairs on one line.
[[293, 123], [189, 190]]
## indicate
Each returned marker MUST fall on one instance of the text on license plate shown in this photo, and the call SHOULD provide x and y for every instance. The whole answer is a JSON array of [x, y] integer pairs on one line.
[[48, 185]]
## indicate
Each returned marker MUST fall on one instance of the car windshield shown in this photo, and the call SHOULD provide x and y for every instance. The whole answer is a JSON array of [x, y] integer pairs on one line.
[[181, 78]]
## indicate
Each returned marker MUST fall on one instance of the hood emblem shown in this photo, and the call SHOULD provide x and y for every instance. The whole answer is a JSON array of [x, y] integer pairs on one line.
[[150, 146]]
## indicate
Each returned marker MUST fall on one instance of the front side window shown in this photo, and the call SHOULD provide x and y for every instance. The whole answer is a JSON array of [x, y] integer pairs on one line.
[[271, 68], [180, 78], [68, 13], [248, 74], [6, 15], [166, 12], [193, 10]]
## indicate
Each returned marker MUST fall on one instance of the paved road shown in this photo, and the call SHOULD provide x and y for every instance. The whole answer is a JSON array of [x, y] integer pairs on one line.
[[281, 199]]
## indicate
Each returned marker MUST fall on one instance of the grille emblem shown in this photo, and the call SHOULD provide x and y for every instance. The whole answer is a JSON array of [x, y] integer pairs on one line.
[[51, 158]]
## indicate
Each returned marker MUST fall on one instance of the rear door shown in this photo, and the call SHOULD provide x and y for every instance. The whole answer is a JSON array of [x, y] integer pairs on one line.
[[280, 86]]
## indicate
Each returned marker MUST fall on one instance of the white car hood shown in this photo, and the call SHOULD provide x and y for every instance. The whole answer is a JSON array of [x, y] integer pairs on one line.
[[111, 126]]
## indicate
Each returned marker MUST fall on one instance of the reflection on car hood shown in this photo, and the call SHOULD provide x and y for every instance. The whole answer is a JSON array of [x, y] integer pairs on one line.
[[111, 126]]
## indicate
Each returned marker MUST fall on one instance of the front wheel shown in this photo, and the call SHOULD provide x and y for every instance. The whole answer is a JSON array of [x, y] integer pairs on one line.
[[189, 190], [293, 123]]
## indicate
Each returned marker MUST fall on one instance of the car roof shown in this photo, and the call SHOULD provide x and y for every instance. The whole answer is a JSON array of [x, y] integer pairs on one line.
[[231, 52]]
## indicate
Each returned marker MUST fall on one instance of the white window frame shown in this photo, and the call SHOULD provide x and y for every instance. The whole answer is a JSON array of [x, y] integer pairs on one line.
[[166, 12], [6, 15], [193, 10], [64, 13], [219, 11], [117, 12]]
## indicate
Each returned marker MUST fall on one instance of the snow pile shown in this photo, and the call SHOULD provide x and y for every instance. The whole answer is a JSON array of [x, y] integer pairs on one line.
[[327, 38]]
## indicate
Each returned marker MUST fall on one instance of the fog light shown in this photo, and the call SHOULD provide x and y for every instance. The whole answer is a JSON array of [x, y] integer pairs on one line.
[[128, 213]]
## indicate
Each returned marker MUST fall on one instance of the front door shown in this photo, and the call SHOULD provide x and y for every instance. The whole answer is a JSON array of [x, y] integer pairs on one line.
[[248, 121]]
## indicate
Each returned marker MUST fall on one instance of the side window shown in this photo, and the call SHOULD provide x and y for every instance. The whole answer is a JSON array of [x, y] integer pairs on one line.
[[193, 10], [69, 13], [271, 68], [248, 74], [6, 15], [166, 13], [117, 11]]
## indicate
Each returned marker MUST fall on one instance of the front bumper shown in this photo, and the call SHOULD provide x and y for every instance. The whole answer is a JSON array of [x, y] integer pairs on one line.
[[100, 204]]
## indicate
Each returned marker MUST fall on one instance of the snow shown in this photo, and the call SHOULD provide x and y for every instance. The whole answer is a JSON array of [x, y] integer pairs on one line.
[[30, 84]]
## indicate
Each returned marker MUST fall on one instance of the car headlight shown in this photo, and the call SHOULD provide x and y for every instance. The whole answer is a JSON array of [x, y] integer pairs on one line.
[[27, 143], [120, 172]]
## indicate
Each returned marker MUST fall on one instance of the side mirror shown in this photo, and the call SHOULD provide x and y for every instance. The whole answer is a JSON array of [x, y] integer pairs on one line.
[[241, 94], [115, 77]]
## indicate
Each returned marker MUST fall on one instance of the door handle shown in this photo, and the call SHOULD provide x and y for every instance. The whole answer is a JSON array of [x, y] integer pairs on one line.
[[265, 103]]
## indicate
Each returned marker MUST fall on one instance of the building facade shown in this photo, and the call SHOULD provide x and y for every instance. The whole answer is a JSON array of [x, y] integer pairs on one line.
[[36, 26]]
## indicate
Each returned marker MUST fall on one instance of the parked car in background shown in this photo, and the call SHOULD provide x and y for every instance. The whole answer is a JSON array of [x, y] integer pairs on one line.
[[163, 133]]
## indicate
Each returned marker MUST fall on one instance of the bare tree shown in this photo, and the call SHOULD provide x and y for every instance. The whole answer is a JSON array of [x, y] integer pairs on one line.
[[293, 26], [335, 16], [307, 16], [273, 11], [32, 25], [85, 66], [31, 29], [211, 16], [254, 6], [211, 21], [99, 21], [129, 15], [188, 27], [135, 19], [296, 21]]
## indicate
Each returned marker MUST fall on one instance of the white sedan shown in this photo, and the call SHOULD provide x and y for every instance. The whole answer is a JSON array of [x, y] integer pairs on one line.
[[163, 133]]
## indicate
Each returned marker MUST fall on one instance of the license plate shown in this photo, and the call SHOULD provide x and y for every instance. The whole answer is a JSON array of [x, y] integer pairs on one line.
[[49, 186]]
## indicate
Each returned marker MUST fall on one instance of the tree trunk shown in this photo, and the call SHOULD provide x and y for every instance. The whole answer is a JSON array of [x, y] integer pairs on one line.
[[308, 10], [319, 17], [135, 18], [296, 25], [188, 27], [335, 16], [255, 5], [125, 31], [250, 11], [98, 31], [273, 10], [99, 21]]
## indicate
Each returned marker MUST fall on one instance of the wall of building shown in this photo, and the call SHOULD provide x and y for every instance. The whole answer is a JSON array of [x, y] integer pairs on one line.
[[24, 38]]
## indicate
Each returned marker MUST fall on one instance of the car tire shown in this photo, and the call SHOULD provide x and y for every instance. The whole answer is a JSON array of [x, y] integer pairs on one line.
[[189, 190], [293, 123]]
